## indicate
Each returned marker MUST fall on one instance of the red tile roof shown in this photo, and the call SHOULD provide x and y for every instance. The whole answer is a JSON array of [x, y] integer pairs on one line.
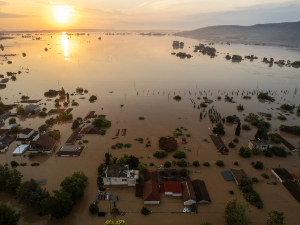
[[151, 191], [173, 186], [150, 175], [294, 176]]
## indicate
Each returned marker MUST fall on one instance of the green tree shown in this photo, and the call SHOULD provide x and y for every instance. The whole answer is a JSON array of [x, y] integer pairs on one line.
[[196, 163], [160, 154], [109, 222], [15, 130], [238, 129], [75, 124], [179, 154], [141, 167], [237, 212], [93, 208], [20, 109], [121, 160], [59, 205], [42, 128], [64, 116], [54, 134], [206, 223], [115, 210], [101, 122], [93, 98], [12, 120], [120, 222], [167, 164], [31, 193], [219, 129], [245, 152], [255, 151], [145, 211], [8, 215], [10, 179], [75, 185], [275, 218]]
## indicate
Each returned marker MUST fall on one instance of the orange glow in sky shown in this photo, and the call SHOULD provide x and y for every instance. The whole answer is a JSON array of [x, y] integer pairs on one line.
[[62, 13]]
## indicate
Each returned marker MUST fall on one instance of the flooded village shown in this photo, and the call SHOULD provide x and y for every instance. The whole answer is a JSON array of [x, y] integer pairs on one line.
[[141, 135]]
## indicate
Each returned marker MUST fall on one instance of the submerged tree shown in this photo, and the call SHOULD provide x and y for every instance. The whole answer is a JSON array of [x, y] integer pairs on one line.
[[275, 218], [237, 212]]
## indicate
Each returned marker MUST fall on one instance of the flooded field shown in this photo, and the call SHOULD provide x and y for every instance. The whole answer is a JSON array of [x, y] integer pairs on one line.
[[144, 77]]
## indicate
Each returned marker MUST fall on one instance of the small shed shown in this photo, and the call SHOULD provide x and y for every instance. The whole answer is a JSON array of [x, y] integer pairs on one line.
[[20, 149]]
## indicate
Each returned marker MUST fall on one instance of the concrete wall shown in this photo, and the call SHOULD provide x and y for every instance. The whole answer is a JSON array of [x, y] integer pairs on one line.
[[189, 202], [151, 202], [25, 136]]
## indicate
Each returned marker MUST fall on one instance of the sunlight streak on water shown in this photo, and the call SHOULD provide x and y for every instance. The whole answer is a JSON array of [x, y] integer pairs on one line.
[[65, 43]]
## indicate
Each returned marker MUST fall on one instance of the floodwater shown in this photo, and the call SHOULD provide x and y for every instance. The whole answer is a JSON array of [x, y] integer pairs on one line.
[[144, 77]]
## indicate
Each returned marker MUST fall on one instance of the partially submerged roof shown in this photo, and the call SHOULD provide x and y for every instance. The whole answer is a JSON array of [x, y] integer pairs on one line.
[[283, 174], [173, 186], [238, 174], [167, 143], [286, 143], [26, 131], [20, 149], [52, 111], [73, 137], [188, 191], [31, 107], [293, 188], [45, 141], [218, 142], [200, 191], [294, 176], [90, 115], [116, 170], [173, 175], [261, 142], [151, 191], [3, 131], [150, 175], [70, 151]]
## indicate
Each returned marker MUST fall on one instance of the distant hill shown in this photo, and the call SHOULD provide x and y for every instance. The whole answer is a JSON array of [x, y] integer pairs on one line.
[[287, 33]]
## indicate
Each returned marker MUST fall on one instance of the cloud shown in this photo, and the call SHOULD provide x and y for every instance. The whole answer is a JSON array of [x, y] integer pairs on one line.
[[3, 3], [48, 3], [12, 15]]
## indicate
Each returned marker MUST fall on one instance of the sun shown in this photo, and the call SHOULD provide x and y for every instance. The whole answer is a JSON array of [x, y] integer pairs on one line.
[[62, 13]]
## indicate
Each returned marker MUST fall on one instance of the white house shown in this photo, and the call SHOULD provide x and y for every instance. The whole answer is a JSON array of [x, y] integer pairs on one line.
[[188, 193], [120, 175], [25, 136], [20, 149], [261, 145]]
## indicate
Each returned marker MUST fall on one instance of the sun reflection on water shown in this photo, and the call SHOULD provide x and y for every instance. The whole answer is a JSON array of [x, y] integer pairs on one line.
[[65, 43]]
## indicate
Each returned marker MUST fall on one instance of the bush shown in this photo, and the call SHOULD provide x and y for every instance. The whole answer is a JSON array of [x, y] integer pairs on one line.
[[206, 164], [141, 167], [268, 115], [182, 163], [113, 147], [236, 140], [255, 151], [231, 145], [35, 164], [281, 117], [145, 211], [14, 163], [188, 135], [274, 182], [93, 208], [179, 154], [196, 163], [42, 114], [245, 152], [75, 124], [12, 120], [152, 164], [174, 163], [240, 107], [231, 119], [265, 96], [127, 145], [93, 98], [119, 145], [160, 154], [63, 117], [268, 154], [55, 134], [31, 155], [258, 165], [50, 121], [265, 176], [141, 118], [254, 179], [220, 163], [102, 132], [246, 127], [279, 151], [115, 210], [85, 141], [167, 164], [286, 107], [235, 162]]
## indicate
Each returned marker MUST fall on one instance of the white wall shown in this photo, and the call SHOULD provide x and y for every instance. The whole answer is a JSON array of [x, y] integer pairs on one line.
[[24, 135], [151, 202], [189, 202]]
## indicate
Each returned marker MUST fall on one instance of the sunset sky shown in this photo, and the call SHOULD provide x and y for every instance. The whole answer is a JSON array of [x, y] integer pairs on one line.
[[142, 14]]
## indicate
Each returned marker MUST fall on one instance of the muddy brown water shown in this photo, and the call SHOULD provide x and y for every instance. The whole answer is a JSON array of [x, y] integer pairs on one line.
[[144, 75]]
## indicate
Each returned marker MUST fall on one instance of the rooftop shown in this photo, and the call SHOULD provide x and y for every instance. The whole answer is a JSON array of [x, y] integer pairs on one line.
[[150, 175], [238, 174], [151, 191], [116, 170], [70, 151], [26, 131], [173, 186], [188, 191], [200, 191], [173, 175], [45, 141], [31, 107], [167, 143], [261, 142], [3, 131], [283, 174]]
